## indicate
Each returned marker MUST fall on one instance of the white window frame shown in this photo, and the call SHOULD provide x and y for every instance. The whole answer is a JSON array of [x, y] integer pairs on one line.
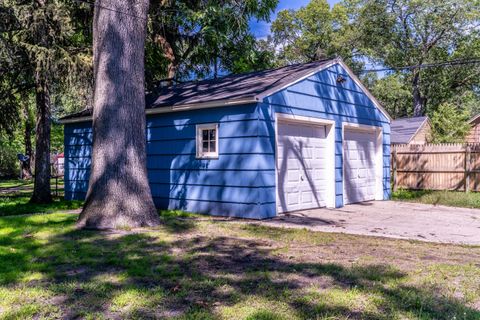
[[200, 153]]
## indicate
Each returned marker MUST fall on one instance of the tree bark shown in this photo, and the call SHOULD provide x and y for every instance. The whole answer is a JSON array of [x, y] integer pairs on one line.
[[119, 194], [169, 54], [41, 186], [26, 166], [418, 101]]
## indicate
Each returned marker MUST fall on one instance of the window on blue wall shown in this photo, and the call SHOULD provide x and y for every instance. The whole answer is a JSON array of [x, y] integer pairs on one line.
[[207, 141]]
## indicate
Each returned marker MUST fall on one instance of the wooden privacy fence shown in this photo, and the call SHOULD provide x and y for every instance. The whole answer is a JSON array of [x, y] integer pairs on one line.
[[436, 166]]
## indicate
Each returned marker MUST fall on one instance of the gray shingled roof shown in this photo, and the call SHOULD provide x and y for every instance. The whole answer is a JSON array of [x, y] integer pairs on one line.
[[233, 87], [404, 129]]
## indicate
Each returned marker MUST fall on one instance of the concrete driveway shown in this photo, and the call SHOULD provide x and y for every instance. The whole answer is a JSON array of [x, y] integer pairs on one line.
[[391, 219]]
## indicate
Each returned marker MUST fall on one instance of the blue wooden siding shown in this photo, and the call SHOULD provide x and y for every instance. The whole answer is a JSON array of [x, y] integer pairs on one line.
[[241, 182], [321, 96]]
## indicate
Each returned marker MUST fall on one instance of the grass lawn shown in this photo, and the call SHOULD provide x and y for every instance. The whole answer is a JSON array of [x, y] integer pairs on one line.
[[14, 183], [446, 198], [15, 196], [195, 267], [18, 204]]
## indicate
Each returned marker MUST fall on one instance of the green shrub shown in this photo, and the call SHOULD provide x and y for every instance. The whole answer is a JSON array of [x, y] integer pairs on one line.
[[9, 165]]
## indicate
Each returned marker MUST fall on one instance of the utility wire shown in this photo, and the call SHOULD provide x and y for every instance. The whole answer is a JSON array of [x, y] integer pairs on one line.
[[121, 12], [428, 65], [419, 66], [109, 9]]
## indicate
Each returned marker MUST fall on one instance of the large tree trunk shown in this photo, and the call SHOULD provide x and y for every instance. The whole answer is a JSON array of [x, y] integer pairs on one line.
[[41, 187], [118, 194], [418, 101]]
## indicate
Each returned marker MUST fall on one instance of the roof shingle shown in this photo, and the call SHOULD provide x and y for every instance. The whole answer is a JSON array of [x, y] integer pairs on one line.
[[232, 87], [404, 129]]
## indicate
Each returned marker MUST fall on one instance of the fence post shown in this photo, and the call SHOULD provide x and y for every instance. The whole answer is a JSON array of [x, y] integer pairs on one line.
[[467, 167], [394, 167]]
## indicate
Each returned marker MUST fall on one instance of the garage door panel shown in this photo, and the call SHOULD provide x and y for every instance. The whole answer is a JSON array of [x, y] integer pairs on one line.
[[306, 198], [320, 153], [359, 165], [358, 135], [293, 198], [319, 174], [293, 176], [301, 166], [293, 164]]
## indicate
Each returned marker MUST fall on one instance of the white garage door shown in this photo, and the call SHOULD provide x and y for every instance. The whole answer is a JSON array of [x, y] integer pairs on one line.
[[359, 165], [301, 166]]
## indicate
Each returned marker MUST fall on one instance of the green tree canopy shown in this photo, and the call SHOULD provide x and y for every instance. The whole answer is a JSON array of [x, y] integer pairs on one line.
[[199, 38], [449, 124], [44, 52], [397, 33], [314, 32], [392, 92]]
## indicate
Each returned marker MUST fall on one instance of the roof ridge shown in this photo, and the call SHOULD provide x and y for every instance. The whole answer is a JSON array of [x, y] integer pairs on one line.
[[406, 118], [236, 75]]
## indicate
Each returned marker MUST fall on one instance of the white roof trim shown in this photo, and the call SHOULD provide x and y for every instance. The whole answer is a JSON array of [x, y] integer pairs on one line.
[[75, 120], [202, 105], [184, 107], [474, 118]]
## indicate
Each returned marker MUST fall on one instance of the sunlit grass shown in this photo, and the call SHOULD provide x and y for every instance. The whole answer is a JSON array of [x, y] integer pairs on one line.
[[15, 199], [18, 205], [12, 183], [15, 183], [203, 268]]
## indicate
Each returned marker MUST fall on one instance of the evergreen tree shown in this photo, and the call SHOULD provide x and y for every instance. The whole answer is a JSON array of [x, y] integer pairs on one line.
[[42, 51]]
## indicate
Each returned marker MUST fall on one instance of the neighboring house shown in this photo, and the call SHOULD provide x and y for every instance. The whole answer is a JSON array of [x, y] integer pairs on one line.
[[474, 135], [257, 144], [58, 164], [416, 130]]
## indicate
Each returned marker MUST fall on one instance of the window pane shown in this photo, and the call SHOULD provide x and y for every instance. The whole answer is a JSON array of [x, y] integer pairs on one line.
[[212, 146], [212, 134], [205, 146], [204, 135]]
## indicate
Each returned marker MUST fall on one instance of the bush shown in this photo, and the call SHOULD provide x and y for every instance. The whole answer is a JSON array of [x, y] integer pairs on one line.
[[449, 123], [9, 164]]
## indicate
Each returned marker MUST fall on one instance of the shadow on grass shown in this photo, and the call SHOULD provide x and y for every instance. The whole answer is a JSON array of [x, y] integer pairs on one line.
[[18, 204], [177, 221], [157, 274]]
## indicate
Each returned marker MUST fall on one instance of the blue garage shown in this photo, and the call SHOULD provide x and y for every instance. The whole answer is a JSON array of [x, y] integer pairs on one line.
[[257, 144]]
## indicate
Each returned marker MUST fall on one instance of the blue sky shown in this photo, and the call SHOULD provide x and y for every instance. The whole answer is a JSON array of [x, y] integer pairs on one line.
[[262, 29]]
